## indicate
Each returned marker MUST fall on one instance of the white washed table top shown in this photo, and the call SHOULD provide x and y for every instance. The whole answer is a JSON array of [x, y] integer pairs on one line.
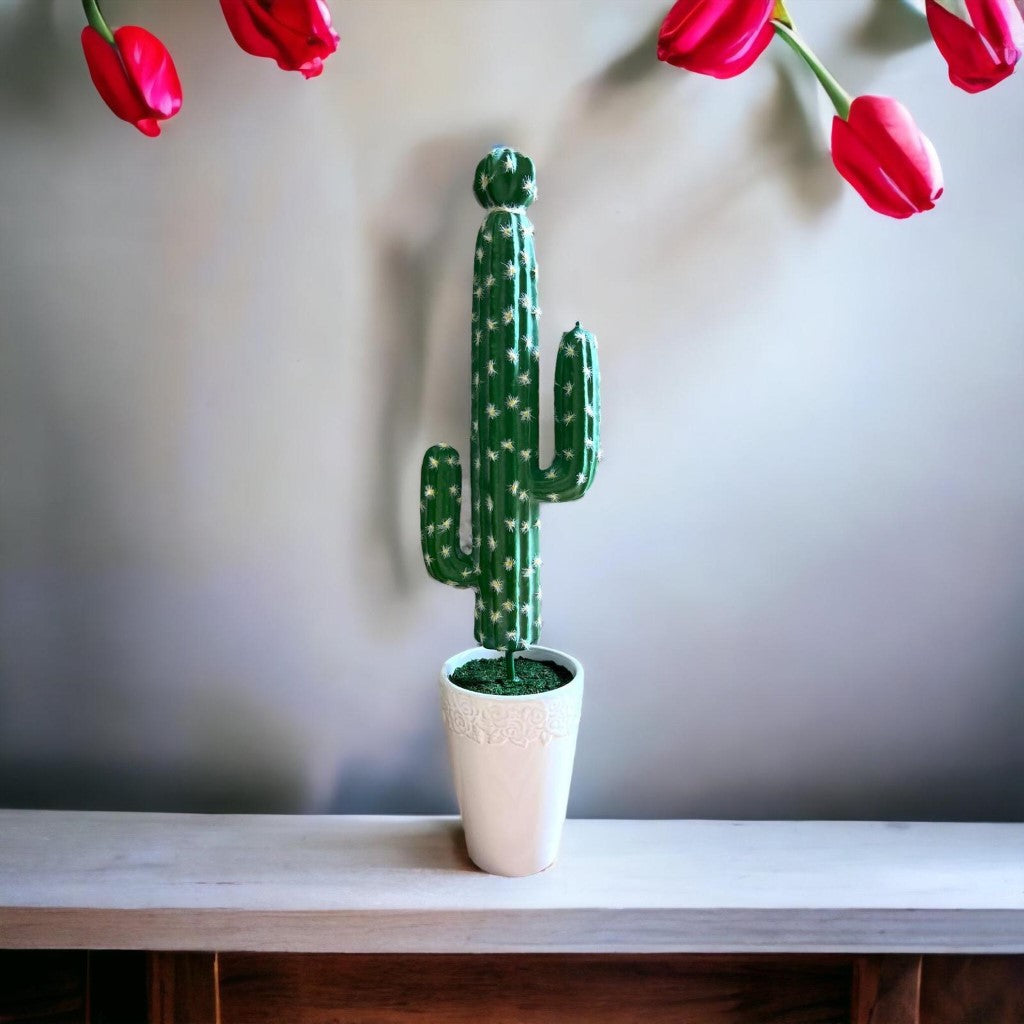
[[404, 884]]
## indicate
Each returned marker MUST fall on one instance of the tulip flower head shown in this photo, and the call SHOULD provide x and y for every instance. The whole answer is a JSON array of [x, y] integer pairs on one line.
[[882, 153], [721, 38], [134, 75], [296, 33], [981, 48]]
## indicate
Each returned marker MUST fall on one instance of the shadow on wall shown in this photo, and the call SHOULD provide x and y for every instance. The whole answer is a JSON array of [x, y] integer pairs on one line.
[[50, 639], [953, 795], [791, 129], [43, 77], [620, 89], [427, 219], [78, 645], [890, 27], [92, 784], [962, 790], [635, 96], [630, 68], [29, 81], [237, 760], [413, 779]]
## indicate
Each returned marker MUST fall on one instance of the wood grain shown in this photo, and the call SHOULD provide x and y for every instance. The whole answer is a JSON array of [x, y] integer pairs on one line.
[[110, 987], [886, 990], [361, 989], [106, 880], [184, 988], [972, 990]]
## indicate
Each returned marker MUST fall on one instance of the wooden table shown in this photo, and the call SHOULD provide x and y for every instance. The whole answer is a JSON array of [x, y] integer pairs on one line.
[[240, 918]]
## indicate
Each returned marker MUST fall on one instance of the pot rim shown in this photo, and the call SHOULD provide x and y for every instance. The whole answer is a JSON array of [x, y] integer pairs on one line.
[[472, 653]]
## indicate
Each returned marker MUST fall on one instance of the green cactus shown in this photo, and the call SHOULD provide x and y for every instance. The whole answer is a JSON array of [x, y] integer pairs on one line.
[[506, 478]]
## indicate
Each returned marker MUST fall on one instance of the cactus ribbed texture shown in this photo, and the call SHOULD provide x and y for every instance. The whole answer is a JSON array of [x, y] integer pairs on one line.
[[507, 480]]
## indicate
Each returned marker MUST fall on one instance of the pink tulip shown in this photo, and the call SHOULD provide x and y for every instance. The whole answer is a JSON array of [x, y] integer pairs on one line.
[[983, 51], [721, 38], [881, 152], [296, 33], [135, 76]]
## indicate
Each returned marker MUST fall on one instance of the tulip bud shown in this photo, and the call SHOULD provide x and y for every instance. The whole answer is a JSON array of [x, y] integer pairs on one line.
[[881, 152], [721, 38], [982, 51], [296, 33], [135, 76]]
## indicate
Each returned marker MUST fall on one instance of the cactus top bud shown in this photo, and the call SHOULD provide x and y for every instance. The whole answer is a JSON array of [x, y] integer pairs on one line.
[[505, 178]]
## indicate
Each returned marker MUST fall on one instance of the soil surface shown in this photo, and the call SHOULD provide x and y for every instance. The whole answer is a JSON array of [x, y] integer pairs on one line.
[[487, 675]]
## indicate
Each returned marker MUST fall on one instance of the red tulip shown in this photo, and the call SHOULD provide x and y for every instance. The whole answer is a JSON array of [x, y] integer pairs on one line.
[[296, 33], [885, 157], [721, 38], [136, 77], [982, 52]]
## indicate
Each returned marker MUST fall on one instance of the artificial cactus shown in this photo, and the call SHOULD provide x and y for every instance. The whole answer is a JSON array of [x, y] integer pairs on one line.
[[506, 478]]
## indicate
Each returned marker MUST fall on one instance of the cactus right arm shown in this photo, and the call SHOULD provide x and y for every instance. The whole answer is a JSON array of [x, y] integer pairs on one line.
[[577, 422], [440, 512]]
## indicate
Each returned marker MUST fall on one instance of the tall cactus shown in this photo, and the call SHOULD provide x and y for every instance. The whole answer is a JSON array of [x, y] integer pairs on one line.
[[507, 481]]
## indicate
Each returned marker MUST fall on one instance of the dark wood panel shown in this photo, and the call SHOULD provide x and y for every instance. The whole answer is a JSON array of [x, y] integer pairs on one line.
[[972, 990], [548, 989], [117, 987], [43, 987], [183, 988], [73, 987], [886, 990]]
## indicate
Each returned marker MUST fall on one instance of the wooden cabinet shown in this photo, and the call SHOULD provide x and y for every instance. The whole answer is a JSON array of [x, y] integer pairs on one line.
[[192, 919], [80, 987]]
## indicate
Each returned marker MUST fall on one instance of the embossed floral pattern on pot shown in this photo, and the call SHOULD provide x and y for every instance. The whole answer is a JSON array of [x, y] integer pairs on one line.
[[501, 721]]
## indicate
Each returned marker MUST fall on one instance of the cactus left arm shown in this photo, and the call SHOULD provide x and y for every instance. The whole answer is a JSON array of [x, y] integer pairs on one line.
[[577, 422], [440, 512]]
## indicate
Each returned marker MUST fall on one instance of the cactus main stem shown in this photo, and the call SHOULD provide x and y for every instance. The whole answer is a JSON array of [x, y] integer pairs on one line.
[[506, 478], [505, 431], [510, 667]]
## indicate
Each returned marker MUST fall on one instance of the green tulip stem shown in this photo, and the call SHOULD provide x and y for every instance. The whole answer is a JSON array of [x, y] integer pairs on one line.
[[92, 13], [840, 98]]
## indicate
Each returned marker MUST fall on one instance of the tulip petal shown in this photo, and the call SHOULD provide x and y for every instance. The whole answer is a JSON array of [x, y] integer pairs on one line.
[[135, 78], [743, 58], [108, 75], [306, 18], [888, 160], [903, 150], [857, 164], [151, 70], [311, 69], [975, 62], [721, 38], [686, 23], [736, 29], [296, 33], [247, 34], [1000, 23], [970, 61]]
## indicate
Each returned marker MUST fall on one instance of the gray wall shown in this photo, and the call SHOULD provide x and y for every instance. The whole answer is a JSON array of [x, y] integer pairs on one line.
[[797, 584]]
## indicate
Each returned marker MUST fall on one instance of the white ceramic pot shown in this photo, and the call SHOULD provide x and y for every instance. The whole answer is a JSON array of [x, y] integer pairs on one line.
[[511, 761]]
